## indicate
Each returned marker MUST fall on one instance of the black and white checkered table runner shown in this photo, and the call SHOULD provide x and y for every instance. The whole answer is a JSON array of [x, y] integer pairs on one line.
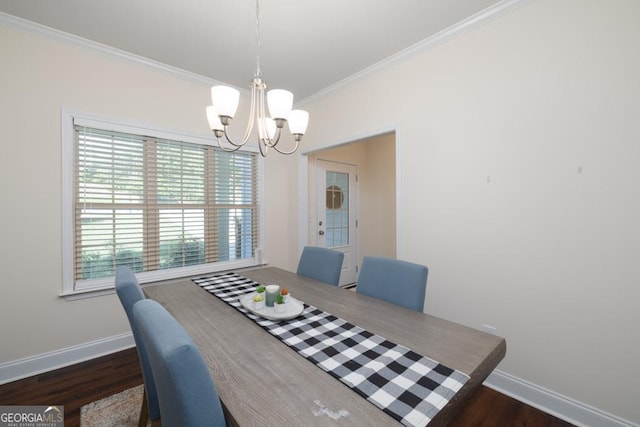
[[409, 387]]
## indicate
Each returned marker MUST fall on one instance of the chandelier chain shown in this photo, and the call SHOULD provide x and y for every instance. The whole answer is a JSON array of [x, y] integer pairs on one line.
[[258, 71]]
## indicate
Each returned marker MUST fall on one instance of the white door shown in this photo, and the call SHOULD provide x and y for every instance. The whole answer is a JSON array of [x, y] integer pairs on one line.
[[337, 201]]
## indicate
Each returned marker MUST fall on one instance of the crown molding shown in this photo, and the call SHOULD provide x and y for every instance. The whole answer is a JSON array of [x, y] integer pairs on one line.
[[76, 41], [487, 15], [480, 18]]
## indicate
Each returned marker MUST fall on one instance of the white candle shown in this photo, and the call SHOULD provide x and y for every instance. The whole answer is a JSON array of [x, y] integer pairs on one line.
[[272, 293]]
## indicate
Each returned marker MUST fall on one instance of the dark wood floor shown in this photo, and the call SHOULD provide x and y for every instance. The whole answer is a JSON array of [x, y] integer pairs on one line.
[[86, 382], [76, 385]]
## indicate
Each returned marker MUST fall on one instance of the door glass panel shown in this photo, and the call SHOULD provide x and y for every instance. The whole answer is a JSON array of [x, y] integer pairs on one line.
[[337, 229]]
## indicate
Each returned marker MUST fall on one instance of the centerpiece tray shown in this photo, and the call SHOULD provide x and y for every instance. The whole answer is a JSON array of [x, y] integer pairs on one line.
[[294, 308]]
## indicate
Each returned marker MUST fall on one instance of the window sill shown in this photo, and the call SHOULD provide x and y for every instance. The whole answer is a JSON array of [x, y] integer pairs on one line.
[[81, 294], [87, 293]]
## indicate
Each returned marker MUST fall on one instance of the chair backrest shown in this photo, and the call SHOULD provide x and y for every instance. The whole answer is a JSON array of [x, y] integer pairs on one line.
[[130, 292], [187, 395], [395, 281], [322, 264]]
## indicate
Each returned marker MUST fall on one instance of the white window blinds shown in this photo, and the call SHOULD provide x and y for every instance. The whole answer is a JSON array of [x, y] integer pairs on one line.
[[156, 204]]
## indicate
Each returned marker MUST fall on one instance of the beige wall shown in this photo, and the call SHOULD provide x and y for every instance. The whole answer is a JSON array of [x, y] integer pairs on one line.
[[378, 192], [517, 152], [516, 149], [40, 77]]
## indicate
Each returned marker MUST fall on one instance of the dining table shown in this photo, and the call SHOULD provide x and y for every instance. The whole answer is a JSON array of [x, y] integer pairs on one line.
[[261, 381]]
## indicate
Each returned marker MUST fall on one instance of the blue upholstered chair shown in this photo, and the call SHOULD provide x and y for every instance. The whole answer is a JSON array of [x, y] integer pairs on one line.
[[187, 395], [130, 292], [322, 264], [395, 281]]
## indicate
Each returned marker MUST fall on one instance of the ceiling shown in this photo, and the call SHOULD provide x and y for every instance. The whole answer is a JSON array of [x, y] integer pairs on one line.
[[305, 45]]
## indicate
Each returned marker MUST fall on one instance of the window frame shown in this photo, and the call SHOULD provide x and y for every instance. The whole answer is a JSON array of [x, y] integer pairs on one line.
[[72, 288]]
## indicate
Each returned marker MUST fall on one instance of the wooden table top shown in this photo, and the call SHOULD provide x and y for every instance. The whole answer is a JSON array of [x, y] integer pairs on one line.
[[262, 382]]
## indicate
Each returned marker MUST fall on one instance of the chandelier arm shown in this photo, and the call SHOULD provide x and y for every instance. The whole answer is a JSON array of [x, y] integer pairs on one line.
[[230, 141], [247, 133], [287, 152], [228, 150], [263, 151], [272, 142], [252, 109]]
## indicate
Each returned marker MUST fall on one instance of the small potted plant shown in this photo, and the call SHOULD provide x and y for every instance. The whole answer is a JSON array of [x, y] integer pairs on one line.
[[258, 302], [285, 294], [279, 306], [258, 298]]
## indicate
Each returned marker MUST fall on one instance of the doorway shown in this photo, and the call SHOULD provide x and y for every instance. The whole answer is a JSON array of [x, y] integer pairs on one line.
[[375, 211]]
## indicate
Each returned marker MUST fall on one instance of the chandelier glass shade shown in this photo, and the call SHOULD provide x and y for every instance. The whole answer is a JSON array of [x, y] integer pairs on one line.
[[225, 102]]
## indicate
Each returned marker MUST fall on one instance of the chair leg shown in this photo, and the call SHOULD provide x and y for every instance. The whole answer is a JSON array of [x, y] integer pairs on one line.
[[144, 411]]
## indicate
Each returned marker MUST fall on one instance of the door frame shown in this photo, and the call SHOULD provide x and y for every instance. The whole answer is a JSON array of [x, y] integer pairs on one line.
[[305, 163]]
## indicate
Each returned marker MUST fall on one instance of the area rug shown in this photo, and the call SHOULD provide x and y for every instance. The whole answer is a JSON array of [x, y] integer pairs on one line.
[[119, 410]]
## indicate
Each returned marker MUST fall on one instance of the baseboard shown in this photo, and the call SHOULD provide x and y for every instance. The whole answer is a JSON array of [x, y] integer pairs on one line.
[[553, 403], [27, 367]]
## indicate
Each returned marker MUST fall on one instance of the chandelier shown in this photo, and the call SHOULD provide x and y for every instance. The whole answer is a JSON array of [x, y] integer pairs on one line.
[[225, 103]]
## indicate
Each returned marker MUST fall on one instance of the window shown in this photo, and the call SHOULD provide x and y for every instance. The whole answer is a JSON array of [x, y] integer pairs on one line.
[[337, 209], [164, 207]]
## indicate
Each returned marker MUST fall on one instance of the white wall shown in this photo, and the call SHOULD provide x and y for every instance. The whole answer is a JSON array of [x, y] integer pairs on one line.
[[518, 148]]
